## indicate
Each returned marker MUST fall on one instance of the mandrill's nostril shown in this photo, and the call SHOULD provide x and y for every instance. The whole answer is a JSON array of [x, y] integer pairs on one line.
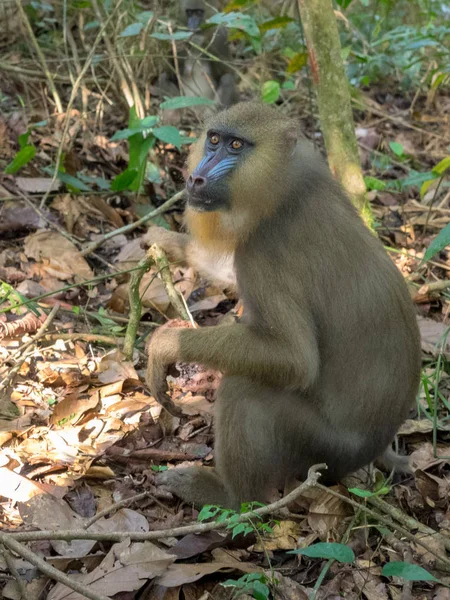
[[195, 184]]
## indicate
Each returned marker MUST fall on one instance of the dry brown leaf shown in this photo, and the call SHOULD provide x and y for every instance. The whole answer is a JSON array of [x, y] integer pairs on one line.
[[46, 512], [284, 536], [180, 573], [72, 406], [34, 590], [109, 212], [411, 426], [17, 216], [125, 568], [288, 589], [124, 519], [432, 335], [69, 208], [37, 185], [113, 368], [195, 405], [327, 512], [193, 544], [20, 489], [423, 458], [371, 586], [62, 259]]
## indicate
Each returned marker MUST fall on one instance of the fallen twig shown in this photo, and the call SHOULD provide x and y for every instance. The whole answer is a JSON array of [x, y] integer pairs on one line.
[[118, 536], [114, 507], [160, 258], [409, 522], [442, 562], [46, 568], [135, 305], [14, 572], [127, 228]]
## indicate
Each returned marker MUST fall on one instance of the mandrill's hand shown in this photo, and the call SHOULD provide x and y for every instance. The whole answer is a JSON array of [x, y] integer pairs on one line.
[[162, 351]]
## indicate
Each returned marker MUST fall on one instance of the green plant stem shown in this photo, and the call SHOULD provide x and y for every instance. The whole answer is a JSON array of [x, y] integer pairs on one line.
[[135, 305]]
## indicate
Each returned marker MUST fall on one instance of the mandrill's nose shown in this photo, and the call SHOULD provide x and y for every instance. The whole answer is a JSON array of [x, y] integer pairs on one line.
[[195, 183]]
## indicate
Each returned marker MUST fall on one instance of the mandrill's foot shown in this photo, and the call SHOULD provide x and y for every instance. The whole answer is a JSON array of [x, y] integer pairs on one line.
[[196, 485]]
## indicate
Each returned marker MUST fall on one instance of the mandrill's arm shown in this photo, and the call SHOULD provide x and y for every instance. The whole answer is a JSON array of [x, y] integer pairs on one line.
[[288, 361]]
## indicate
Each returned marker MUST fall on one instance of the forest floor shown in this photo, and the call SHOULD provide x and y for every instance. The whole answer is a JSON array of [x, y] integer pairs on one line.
[[79, 432]]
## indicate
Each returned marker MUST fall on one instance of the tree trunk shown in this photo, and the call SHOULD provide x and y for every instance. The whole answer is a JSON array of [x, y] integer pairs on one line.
[[333, 99]]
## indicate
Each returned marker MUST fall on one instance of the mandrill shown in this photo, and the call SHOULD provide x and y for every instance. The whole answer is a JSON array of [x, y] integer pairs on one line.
[[324, 365]]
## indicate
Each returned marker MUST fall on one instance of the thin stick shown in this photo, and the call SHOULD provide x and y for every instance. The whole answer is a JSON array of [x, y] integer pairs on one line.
[[160, 258], [132, 226], [118, 536], [114, 507], [135, 305], [41, 57], [73, 95], [14, 572], [48, 569], [442, 562]]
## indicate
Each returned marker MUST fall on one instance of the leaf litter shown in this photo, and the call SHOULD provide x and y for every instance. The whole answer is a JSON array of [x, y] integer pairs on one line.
[[79, 431]]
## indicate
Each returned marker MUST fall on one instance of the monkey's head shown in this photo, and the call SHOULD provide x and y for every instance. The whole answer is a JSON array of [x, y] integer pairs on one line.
[[194, 13], [242, 163]]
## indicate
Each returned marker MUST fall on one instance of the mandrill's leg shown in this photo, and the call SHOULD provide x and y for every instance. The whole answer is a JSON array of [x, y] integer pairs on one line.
[[255, 449]]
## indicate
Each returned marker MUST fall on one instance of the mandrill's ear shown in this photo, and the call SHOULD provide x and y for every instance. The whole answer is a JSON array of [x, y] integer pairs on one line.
[[291, 138]]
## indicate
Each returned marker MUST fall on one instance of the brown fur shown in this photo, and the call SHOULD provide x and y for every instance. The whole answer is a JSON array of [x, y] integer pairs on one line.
[[325, 363]]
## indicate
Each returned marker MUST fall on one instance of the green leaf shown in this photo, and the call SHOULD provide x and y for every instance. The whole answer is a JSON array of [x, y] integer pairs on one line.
[[185, 102], [23, 138], [168, 134], [23, 157], [339, 552], [288, 85], [276, 23], [260, 590], [133, 29], [417, 178], [439, 243], [231, 583], [138, 126], [178, 35], [238, 529], [236, 20], [73, 182], [270, 91], [425, 186], [362, 493], [297, 62], [123, 180], [407, 571], [372, 183], [145, 16], [442, 166], [207, 512], [158, 468], [396, 148]]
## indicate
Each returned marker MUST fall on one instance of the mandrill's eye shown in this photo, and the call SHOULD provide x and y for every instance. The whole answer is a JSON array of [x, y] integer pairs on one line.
[[236, 144], [214, 139]]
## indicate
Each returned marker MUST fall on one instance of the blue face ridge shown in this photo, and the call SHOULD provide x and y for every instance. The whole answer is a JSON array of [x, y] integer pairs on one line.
[[222, 167]]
